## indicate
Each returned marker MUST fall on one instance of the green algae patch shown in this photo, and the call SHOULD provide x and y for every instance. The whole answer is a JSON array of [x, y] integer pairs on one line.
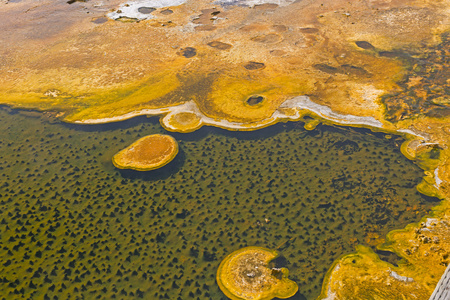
[[244, 274], [148, 153]]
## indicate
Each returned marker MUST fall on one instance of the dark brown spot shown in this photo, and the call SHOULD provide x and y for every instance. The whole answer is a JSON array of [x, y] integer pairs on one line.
[[344, 69], [267, 39], [364, 45], [309, 30], [324, 205], [253, 27], [440, 112], [146, 10], [252, 65], [166, 12], [205, 28], [352, 70], [326, 68], [73, 1], [219, 45], [188, 52], [279, 28], [277, 52], [100, 20], [209, 11], [254, 100], [388, 54], [266, 6]]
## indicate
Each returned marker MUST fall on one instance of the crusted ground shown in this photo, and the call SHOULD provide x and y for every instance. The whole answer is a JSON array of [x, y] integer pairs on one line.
[[89, 66]]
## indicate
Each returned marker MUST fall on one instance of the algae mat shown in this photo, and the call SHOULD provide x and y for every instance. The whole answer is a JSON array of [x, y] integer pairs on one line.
[[74, 226]]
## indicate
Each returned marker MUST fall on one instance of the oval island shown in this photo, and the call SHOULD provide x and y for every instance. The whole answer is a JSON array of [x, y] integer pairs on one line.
[[148, 153], [245, 275]]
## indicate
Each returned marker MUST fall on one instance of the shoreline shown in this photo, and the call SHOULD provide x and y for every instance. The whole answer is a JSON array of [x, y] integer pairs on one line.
[[302, 105]]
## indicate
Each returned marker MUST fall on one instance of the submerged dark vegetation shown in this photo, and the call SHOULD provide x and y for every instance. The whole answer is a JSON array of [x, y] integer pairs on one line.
[[73, 226]]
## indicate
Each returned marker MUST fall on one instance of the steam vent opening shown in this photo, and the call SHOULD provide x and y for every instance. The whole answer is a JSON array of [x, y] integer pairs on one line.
[[254, 100], [310, 195], [146, 10]]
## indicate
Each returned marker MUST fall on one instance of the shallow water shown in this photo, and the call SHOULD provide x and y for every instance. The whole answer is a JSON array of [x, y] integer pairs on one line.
[[73, 226]]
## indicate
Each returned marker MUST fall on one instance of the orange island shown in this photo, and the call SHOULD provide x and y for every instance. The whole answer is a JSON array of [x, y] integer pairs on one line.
[[148, 153], [245, 275]]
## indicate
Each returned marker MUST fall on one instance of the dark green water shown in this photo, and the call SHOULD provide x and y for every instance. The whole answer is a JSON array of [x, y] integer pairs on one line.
[[74, 227]]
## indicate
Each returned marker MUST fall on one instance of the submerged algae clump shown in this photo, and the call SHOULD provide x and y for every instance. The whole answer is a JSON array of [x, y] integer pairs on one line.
[[148, 153], [244, 274]]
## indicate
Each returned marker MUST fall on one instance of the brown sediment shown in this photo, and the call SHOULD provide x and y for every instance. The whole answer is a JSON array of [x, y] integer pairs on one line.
[[253, 65], [267, 39], [219, 45], [188, 52], [99, 20], [309, 30], [166, 12], [280, 28], [205, 28], [364, 45], [269, 6], [148, 153], [277, 52], [207, 16]]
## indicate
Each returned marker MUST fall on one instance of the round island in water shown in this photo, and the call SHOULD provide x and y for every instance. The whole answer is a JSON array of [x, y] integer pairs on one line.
[[148, 153], [245, 275]]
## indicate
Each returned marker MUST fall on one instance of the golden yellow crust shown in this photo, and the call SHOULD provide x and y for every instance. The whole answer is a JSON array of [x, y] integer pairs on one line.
[[245, 275], [148, 153]]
